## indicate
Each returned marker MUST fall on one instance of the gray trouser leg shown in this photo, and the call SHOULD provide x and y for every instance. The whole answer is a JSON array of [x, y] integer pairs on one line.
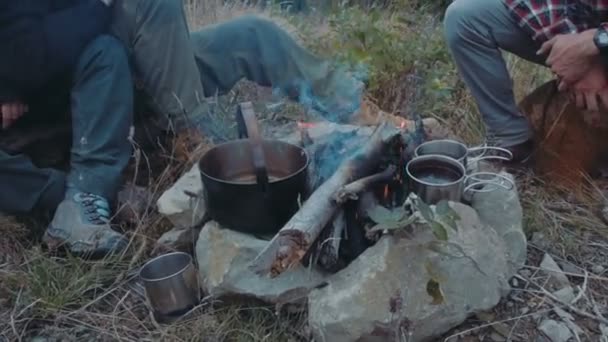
[[255, 49], [24, 187], [102, 111], [476, 31], [178, 69]]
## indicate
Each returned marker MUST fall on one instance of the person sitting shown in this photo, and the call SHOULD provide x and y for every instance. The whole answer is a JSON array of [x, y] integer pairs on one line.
[[570, 37], [86, 55]]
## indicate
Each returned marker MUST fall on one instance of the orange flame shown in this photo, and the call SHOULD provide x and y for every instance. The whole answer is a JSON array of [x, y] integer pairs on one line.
[[386, 192], [305, 125], [402, 126]]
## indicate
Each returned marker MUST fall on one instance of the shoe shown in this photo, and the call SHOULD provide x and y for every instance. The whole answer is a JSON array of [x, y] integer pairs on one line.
[[82, 225], [522, 153]]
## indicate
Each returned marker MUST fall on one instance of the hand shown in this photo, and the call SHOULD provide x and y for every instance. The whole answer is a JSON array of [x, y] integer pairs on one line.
[[11, 112], [570, 55], [591, 88]]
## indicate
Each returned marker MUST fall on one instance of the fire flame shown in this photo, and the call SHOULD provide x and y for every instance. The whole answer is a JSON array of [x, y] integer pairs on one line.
[[386, 192], [402, 126], [305, 125]]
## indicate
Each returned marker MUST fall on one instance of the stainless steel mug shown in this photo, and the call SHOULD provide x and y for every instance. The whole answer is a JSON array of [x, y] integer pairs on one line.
[[469, 157], [172, 285], [437, 177]]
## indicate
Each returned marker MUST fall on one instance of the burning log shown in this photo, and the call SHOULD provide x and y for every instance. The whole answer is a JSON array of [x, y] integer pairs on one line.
[[354, 189], [294, 240], [329, 243]]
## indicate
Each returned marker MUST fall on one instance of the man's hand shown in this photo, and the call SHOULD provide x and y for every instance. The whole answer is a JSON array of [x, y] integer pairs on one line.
[[11, 112], [592, 88], [570, 55]]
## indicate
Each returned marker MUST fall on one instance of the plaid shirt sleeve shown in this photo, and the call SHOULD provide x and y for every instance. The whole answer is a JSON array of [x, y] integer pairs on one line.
[[544, 19]]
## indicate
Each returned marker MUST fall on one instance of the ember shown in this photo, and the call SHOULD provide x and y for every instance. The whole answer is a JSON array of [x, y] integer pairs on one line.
[[305, 125]]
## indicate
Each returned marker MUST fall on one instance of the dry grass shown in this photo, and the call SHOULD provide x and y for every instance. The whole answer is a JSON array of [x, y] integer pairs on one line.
[[73, 299]]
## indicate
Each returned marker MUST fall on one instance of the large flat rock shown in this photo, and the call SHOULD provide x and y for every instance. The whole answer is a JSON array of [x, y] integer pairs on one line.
[[223, 258], [401, 286]]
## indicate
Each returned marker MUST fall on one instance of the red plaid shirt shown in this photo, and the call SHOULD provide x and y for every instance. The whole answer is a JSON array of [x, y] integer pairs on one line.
[[544, 19]]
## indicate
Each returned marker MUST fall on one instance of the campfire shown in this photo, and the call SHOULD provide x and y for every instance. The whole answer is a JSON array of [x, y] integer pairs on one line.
[[323, 229], [348, 175]]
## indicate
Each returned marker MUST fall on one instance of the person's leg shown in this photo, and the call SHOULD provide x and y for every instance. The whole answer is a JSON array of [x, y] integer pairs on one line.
[[102, 106], [476, 31], [157, 37], [24, 187], [179, 69]]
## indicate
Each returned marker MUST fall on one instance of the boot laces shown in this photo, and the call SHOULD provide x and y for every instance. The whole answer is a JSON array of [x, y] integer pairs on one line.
[[96, 208]]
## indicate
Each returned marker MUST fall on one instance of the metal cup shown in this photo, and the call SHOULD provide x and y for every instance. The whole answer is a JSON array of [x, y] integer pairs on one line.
[[469, 157], [171, 284], [437, 177]]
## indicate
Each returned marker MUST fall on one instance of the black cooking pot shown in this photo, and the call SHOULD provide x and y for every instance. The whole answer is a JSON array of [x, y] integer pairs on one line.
[[253, 185]]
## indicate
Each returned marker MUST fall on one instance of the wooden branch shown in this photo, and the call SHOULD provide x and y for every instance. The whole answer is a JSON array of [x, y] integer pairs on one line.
[[354, 189], [329, 243], [293, 241]]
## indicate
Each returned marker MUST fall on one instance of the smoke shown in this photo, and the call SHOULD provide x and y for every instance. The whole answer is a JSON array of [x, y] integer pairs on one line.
[[336, 97]]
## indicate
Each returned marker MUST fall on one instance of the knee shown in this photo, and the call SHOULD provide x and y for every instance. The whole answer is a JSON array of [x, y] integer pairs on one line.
[[170, 10], [107, 51], [254, 23], [458, 14]]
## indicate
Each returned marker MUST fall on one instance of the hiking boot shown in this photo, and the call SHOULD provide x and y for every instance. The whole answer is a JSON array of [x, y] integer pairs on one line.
[[82, 225], [522, 153]]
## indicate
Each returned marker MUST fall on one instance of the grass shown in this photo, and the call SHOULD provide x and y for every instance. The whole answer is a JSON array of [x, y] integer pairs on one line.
[[74, 299]]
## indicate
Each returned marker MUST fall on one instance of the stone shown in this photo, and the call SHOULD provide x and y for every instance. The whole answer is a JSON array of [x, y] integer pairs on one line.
[[604, 331], [566, 294], [598, 269], [555, 331], [183, 204], [407, 286], [179, 239], [525, 273], [501, 210], [557, 276], [224, 257], [540, 240], [569, 320], [571, 268], [496, 337]]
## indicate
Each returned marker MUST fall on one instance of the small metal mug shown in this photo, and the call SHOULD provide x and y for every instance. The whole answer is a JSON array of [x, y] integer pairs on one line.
[[437, 177], [462, 153], [171, 284]]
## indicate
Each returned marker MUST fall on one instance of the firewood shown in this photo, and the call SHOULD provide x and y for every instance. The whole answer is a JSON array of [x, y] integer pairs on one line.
[[297, 236], [329, 244], [352, 190]]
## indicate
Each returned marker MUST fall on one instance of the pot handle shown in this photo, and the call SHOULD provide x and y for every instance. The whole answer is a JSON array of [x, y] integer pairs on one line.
[[477, 182], [507, 155], [247, 126]]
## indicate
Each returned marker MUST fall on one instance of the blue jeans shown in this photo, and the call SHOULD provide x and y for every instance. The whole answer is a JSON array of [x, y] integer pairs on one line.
[[100, 95]]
